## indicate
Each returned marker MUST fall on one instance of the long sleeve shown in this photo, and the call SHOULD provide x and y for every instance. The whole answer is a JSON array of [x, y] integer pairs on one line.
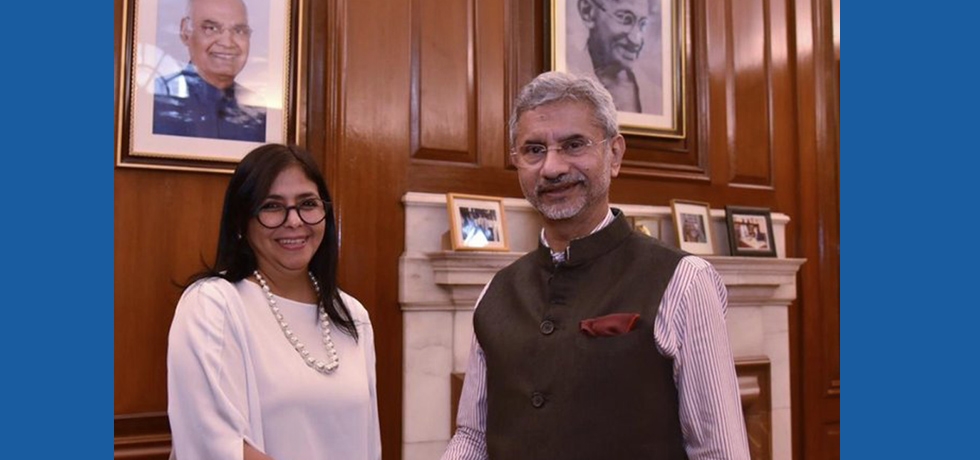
[[470, 441], [206, 383], [373, 430], [690, 328]]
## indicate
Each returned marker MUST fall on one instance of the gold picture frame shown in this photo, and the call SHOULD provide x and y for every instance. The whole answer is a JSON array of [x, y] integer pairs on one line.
[[152, 53], [476, 222], [655, 73]]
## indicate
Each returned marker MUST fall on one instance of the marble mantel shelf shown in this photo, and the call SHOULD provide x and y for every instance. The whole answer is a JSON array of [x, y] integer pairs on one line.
[[750, 280]]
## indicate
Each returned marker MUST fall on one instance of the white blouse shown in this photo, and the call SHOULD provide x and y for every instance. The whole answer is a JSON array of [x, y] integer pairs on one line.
[[232, 376]]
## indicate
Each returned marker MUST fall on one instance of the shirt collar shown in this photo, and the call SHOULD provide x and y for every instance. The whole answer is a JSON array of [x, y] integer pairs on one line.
[[558, 257]]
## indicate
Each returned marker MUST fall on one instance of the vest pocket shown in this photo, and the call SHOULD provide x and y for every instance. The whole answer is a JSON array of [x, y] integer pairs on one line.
[[615, 344]]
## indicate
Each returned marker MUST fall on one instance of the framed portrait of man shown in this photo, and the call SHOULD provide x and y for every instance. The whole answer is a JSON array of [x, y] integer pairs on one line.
[[203, 82], [635, 49]]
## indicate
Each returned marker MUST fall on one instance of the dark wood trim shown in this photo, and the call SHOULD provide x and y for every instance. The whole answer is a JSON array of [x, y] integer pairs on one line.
[[816, 358], [322, 117], [142, 436]]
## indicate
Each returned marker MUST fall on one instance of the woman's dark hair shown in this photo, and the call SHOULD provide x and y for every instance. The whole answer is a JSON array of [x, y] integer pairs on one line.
[[246, 191]]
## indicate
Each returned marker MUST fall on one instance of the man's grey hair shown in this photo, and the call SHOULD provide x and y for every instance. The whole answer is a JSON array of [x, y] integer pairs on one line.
[[552, 87]]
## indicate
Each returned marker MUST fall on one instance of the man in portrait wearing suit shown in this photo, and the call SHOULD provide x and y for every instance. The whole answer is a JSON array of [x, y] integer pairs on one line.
[[617, 34], [603, 342], [203, 99]]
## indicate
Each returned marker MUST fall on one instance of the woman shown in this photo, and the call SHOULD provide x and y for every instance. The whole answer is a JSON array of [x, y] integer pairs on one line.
[[267, 357]]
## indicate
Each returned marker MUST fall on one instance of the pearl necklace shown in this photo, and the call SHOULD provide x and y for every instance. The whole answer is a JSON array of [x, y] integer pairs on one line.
[[315, 364]]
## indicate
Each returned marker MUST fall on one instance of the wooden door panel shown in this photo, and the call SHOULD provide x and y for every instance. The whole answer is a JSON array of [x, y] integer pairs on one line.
[[443, 116]]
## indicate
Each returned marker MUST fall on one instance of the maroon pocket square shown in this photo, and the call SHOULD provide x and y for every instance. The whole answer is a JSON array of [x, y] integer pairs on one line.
[[609, 325]]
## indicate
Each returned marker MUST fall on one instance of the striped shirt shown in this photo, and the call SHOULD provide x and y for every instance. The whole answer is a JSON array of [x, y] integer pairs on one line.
[[690, 329]]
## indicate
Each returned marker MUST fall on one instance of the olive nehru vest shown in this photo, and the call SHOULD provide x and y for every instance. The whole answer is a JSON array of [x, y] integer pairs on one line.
[[555, 393]]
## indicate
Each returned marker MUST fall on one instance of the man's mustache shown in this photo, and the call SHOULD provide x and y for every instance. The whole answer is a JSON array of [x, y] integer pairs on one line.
[[550, 185]]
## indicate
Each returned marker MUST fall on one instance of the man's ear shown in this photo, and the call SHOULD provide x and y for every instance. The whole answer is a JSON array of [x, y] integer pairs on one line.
[[587, 11], [618, 147], [185, 30]]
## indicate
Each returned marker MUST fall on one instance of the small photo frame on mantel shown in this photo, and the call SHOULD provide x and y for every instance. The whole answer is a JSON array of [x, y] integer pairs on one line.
[[645, 225], [692, 221], [750, 231], [476, 223]]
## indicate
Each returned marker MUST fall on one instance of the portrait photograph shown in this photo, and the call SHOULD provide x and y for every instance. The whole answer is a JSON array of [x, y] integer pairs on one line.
[[634, 49], [476, 222], [206, 82], [693, 228], [692, 222], [750, 231]]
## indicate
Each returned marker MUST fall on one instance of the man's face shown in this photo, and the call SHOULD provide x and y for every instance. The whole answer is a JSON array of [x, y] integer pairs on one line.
[[217, 37], [563, 188], [618, 31]]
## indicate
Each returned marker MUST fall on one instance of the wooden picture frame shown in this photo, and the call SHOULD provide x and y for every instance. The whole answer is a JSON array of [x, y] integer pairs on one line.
[[476, 222], [750, 231], [692, 222], [644, 225], [169, 117], [653, 103]]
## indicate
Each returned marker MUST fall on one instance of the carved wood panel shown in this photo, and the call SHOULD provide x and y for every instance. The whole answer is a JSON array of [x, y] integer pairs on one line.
[[142, 436], [165, 224], [443, 99], [818, 129], [749, 84]]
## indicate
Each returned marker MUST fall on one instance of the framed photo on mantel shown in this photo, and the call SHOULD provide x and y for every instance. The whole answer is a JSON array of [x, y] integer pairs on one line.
[[692, 220], [750, 231], [476, 223]]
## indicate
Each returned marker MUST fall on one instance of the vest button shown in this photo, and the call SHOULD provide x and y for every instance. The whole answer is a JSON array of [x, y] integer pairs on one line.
[[537, 399], [547, 327]]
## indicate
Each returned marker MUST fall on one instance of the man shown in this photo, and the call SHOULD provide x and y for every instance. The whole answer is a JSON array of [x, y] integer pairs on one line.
[[618, 30], [203, 99], [603, 342]]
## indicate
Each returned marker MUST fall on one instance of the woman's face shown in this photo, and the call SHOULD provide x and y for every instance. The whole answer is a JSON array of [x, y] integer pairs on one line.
[[290, 247]]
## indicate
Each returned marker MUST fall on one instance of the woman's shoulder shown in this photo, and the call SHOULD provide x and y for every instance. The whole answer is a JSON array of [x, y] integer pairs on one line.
[[208, 293], [209, 286]]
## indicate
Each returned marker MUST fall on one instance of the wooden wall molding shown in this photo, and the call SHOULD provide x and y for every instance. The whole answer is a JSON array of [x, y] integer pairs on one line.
[[443, 94], [142, 436], [749, 84], [817, 347], [321, 107]]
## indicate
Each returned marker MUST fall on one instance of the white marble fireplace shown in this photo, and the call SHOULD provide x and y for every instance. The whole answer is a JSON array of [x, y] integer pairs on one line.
[[438, 289]]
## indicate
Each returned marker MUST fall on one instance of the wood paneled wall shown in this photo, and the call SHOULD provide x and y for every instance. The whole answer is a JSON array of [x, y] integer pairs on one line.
[[413, 95]]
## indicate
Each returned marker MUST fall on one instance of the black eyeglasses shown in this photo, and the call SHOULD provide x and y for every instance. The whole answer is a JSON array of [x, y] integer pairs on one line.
[[311, 211]]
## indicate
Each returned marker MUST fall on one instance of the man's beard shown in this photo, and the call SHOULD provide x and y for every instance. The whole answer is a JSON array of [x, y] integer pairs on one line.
[[571, 206]]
